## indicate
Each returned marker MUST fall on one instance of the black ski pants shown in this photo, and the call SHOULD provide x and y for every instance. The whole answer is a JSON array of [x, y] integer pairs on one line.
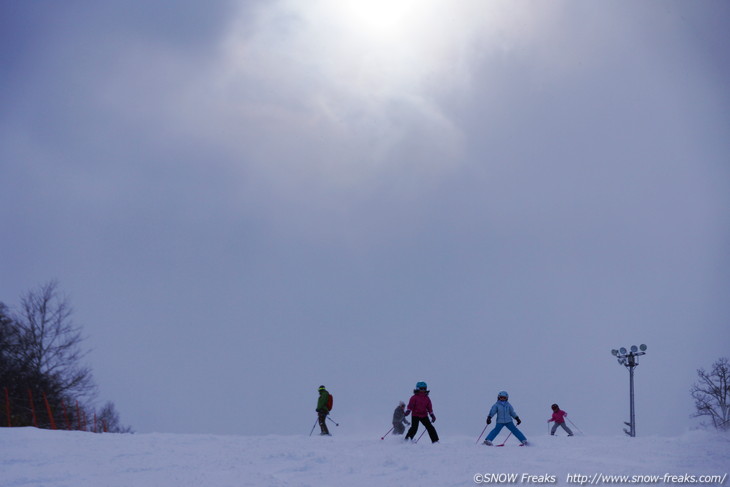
[[323, 422], [429, 427]]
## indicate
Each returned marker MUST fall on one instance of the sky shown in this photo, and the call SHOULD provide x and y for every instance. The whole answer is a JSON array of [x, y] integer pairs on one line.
[[243, 200]]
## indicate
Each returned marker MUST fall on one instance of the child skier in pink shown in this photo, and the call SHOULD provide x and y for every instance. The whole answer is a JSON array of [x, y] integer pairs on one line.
[[559, 419], [420, 405]]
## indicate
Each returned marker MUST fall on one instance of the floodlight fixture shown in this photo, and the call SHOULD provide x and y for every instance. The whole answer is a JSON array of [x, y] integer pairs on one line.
[[630, 359]]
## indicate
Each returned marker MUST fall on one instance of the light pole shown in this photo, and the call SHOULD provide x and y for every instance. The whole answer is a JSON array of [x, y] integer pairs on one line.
[[630, 359]]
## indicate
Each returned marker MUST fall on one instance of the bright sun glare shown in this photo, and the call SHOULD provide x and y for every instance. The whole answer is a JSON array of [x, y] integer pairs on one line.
[[360, 69], [378, 46], [384, 19], [367, 48]]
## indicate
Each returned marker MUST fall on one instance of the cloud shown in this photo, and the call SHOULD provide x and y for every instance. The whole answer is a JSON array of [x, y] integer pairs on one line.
[[477, 194]]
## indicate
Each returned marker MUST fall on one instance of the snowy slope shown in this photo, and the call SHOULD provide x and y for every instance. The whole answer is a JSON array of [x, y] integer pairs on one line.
[[31, 457]]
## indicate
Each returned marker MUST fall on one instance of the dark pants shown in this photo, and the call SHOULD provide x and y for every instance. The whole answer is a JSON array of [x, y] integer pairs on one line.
[[429, 427], [323, 423]]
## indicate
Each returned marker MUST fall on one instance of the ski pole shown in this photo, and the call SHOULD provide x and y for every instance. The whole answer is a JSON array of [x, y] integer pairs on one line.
[[505, 440], [336, 423], [313, 426], [576, 427], [480, 434], [419, 436], [386, 434]]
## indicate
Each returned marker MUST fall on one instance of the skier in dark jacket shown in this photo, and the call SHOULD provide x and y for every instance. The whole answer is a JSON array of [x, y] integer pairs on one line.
[[323, 410], [399, 419], [420, 406]]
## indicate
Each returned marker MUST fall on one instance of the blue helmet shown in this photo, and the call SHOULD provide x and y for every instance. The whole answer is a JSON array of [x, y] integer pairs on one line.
[[503, 394], [421, 385]]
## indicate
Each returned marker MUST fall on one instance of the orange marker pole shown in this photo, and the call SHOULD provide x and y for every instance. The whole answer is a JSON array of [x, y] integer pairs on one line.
[[7, 406], [50, 413], [32, 408], [65, 415]]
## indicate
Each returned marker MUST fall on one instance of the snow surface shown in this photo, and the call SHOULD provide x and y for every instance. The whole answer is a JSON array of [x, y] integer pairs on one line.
[[32, 457]]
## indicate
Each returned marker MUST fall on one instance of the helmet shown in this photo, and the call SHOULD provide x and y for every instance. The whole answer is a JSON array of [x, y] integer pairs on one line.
[[421, 385], [503, 394], [321, 388]]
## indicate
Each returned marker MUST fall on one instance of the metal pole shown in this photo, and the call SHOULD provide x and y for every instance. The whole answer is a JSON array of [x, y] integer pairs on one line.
[[314, 426], [505, 440], [630, 360], [632, 414], [480, 434], [576, 426]]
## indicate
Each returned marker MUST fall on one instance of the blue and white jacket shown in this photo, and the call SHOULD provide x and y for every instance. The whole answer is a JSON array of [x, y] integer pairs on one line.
[[503, 411]]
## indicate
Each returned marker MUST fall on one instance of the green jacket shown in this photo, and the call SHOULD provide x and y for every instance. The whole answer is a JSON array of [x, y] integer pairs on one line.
[[322, 401]]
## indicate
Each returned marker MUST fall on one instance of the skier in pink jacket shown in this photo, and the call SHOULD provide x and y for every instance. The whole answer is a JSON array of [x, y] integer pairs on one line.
[[420, 406], [559, 419]]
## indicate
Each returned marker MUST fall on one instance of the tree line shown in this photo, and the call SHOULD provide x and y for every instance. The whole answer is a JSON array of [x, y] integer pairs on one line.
[[711, 395], [44, 383], [43, 380]]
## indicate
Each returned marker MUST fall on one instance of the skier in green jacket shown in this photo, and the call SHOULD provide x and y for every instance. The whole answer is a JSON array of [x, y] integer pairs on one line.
[[323, 410]]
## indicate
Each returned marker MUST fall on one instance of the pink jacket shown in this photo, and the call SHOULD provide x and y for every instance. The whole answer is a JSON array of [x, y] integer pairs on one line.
[[558, 416], [420, 405]]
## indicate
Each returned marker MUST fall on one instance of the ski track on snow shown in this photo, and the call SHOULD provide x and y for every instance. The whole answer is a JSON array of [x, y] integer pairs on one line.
[[32, 457]]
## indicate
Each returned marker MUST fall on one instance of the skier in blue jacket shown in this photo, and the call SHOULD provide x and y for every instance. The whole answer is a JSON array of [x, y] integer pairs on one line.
[[504, 413]]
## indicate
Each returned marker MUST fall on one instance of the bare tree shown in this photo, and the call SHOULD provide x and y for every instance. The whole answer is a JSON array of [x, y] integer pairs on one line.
[[41, 362], [109, 418], [712, 394], [8, 347], [50, 344]]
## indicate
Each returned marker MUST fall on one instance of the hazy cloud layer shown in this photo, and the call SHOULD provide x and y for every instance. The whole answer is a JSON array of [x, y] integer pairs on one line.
[[247, 199]]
